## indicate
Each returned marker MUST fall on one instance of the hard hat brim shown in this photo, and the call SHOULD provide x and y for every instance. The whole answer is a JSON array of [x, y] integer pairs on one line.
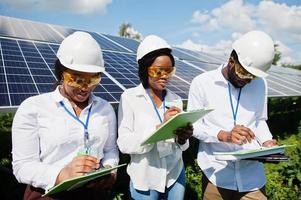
[[85, 68], [256, 72]]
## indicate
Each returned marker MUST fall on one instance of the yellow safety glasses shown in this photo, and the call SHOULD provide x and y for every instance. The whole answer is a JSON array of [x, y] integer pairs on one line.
[[242, 73], [79, 81], [157, 72]]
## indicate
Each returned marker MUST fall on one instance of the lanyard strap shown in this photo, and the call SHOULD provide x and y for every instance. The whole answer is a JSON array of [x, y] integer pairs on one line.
[[234, 113], [85, 125], [155, 107]]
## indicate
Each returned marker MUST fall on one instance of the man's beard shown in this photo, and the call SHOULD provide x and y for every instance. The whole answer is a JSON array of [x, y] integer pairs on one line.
[[234, 80]]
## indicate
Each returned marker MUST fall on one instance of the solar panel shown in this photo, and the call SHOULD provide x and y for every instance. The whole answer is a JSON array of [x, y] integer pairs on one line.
[[28, 52], [187, 54], [26, 29], [126, 42], [186, 71], [107, 44]]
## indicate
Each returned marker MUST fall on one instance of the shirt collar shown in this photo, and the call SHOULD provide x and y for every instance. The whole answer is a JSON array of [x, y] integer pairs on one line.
[[57, 96], [141, 91], [219, 77]]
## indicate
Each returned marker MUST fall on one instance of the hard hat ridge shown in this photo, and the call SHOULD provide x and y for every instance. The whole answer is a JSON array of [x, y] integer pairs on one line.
[[149, 44], [255, 51], [80, 51]]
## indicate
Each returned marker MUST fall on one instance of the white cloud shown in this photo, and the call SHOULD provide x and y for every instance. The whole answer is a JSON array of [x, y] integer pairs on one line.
[[133, 33], [285, 50], [281, 21], [222, 48], [282, 16], [74, 6], [233, 15], [200, 17], [288, 55]]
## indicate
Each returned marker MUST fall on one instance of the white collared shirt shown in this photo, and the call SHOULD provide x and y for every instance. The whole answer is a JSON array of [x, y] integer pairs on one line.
[[46, 138], [210, 90], [152, 166]]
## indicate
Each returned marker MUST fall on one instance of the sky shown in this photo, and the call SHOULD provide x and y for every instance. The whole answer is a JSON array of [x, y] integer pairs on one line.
[[209, 26]]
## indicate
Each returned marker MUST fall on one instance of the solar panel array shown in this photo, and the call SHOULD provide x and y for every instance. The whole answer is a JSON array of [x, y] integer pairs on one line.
[[27, 55]]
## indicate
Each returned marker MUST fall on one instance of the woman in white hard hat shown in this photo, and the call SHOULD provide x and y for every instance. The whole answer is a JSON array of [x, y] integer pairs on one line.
[[156, 170], [68, 132], [238, 94]]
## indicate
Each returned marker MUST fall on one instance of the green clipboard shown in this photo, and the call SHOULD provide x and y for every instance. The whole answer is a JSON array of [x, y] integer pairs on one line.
[[166, 131], [244, 154], [79, 181]]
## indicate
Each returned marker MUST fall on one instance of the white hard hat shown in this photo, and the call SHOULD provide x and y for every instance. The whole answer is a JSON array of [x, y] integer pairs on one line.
[[149, 44], [255, 51], [80, 51]]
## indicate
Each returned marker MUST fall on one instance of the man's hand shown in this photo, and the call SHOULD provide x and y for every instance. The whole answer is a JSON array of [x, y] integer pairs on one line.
[[270, 143], [77, 167], [184, 133], [238, 135]]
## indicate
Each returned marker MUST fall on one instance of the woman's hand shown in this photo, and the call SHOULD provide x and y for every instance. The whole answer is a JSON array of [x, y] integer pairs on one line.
[[171, 112], [184, 133], [77, 167]]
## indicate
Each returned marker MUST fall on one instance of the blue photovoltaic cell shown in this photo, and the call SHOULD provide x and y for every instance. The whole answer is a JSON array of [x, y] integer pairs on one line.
[[63, 31], [186, 71], [22, 88], [17, 99], [41, 72], [45, 87], [204, 57], [20, 64], [19, 78], [123, 68], [2, 79], [43, 79], [204, 66], [126, 42], [106, 44], [17, 70], [280, 89], [3, 89], [179, 87], [4, 100], [19, 28], [286, 75], [108, 90], [182, 56], [273, 92], [281, 81]]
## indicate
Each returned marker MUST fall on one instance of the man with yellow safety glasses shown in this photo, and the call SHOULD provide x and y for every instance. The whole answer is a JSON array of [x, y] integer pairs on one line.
[[238, 94]]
